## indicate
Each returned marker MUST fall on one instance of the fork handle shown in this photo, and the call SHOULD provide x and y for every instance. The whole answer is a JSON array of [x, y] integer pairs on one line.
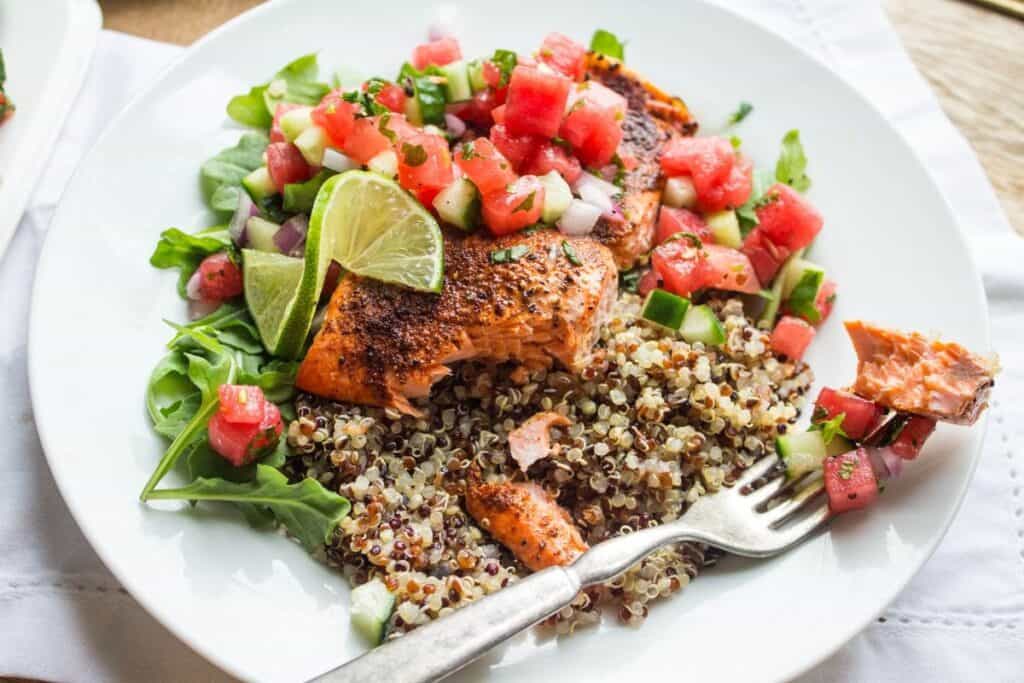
[[440, 648], [435, 650]]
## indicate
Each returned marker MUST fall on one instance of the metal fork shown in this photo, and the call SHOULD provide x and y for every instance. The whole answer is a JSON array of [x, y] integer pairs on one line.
[[762, 515]]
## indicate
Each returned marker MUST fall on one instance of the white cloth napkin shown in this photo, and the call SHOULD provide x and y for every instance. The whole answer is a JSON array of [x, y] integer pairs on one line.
[[64, 617]]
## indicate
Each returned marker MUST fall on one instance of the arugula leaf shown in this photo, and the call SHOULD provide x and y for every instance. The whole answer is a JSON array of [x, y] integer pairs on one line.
[[296, 82], [830, 429], [220, 177], [250, 109], [742, 112], [801, 299], [206, 375], [792, 163], [299, 197], [505, 60], [230, 324], [429, 93], [747, 213], [171, 398], [607, 43], [177, 249], [310, 512]]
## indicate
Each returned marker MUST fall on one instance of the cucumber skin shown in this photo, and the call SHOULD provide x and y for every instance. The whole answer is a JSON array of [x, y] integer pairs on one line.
[[259, 185], [459, 205], [457, 89], [475, 72], [658, 298], [794, 271], [370, 608], [705, 326]]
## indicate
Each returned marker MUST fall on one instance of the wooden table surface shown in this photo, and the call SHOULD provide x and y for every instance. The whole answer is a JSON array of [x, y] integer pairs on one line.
[[973, 58]]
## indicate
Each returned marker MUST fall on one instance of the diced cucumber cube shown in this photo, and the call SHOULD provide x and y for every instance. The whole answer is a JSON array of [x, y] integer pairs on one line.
[[665, 309], [679, 193], [702, 325], [795, 271], [259, 185], [259, 234], [771, 309], [413, 112], [295, 121], [385, 163], [459, 205], [557, 196], [311, 143], [371, 606], [802, 453], [725, 228], [475, 72], [457, 86]]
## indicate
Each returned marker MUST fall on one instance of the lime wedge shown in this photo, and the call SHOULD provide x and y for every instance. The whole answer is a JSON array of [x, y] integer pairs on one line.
[[281, 303], [374, 228], [365, 222]]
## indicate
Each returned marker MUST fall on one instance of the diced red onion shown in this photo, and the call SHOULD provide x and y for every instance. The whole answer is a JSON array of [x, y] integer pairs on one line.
[[456, 127], [192, 288], [337, 162], [244, 211], [299, 250], [885, 463], [291, 233], [201, 309], [615, 215], [579, 218], [593, 190]]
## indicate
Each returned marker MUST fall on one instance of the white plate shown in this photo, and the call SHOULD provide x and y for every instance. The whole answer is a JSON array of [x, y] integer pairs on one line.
[[47, 45], [254, 603]]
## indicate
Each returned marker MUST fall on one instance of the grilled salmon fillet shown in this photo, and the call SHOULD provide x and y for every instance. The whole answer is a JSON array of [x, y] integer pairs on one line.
[[910, 373], [527, 521], [382, 345], [652, 118]]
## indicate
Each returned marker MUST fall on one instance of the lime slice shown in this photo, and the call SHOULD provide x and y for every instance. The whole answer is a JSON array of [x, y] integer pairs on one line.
[[281, 303], [367, 223], [374, 228]]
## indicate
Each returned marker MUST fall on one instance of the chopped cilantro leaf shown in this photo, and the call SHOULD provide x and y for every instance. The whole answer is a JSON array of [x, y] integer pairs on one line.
[[741, 113], [629, 280], [505, 60], [801, 300], [570, 253], [792, 165], [414, 155], [607, 43], [510, 254], [830, 429]]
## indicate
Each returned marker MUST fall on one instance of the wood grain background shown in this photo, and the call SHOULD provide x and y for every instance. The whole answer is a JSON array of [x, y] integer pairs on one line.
[[973, 57]]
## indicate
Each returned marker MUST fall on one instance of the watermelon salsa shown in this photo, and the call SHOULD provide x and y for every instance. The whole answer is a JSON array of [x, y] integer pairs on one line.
[[508, 142]]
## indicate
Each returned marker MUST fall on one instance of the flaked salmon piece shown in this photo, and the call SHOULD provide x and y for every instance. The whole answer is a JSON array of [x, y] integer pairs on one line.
[[531, 441], [910, 373], [527, 521], [652, 118], [382, 345]]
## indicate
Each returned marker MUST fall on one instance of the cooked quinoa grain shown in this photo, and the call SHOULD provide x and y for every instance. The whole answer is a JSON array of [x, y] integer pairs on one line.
[[655, 423]]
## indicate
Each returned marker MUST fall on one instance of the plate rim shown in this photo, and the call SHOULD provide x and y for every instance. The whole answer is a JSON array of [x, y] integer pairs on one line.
[[800, 667]]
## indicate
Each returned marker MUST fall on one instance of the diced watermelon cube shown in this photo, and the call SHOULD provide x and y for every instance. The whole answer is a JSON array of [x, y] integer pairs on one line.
[[514, 208], [334, 115], [766, 256], [825, 300], [286, 165], [217, 278], [861, 416], [683, 266], [791, 337], [788, 219], [650, 280], [672, 221], [850, 481], [910, 440], [731, 270], [565, 55], [424, 165], [365, 140], [239, 443], [550, 157], [593, 122], [708, 161], [438, 52], [731, 193], [516, 148], [483, 164], [240, 403], [536, 101]]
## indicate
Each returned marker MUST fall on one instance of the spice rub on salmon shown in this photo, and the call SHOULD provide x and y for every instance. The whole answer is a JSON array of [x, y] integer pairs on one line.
[[652, 118], [910, 373], [517, 298], [527, 521]]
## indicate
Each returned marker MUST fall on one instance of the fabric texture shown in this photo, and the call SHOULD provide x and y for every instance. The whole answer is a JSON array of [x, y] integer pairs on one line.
[[64, 617]]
